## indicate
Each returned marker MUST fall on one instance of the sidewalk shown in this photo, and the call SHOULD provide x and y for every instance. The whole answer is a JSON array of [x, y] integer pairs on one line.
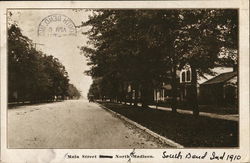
[[231, 117]]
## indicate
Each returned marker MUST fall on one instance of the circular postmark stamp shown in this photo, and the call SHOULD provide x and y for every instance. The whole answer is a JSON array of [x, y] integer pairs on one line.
[[56, 25]]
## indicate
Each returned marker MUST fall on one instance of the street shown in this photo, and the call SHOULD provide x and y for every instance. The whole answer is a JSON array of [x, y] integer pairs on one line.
[[72, 124]]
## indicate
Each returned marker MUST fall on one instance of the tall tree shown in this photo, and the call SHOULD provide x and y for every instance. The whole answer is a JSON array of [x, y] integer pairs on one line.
[[32, 75], [121, 48], [156, 44], [202, 36]]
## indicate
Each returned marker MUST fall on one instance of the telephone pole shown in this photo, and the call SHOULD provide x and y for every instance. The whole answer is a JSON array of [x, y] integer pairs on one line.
[[37, 44]]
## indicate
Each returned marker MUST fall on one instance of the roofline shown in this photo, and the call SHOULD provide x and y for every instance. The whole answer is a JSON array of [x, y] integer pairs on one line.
[[219, 82]]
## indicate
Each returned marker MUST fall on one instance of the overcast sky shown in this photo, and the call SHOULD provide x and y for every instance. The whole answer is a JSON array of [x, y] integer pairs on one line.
[[64, 48]]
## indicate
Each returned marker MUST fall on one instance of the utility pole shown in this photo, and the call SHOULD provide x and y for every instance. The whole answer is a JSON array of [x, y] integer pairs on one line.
[[37, 44]]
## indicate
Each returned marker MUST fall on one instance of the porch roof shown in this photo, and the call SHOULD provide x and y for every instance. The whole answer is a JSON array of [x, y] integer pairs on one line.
[[221, 78]]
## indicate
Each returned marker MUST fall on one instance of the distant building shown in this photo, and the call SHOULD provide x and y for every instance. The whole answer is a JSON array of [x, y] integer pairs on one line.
[[161, 93]]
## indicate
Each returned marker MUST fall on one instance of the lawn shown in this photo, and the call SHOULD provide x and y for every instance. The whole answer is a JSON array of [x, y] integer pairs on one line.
[[182, 128]]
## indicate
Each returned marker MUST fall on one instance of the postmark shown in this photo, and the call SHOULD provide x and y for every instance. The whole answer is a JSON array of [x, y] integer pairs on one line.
[[56, 25]]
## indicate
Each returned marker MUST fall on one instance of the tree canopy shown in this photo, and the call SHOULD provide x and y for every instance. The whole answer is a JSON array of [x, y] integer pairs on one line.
[[143, 48], [33, 75]]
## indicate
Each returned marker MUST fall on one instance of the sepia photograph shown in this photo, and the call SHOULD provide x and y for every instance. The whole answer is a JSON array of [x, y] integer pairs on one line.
[[174, 72], [124, 78]]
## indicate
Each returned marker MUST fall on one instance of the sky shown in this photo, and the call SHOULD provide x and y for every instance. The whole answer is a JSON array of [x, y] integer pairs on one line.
[[65, 48]]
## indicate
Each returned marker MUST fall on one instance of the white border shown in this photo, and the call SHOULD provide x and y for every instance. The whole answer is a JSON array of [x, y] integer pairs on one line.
[[56, 155]]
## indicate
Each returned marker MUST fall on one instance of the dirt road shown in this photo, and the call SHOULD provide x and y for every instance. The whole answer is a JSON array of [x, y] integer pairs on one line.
[[72, 124]]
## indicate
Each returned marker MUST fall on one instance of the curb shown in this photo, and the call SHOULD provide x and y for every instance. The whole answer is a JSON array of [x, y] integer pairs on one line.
[[150, 132]]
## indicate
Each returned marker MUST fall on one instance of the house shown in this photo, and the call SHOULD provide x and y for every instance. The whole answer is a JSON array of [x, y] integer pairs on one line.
[[184, 86], [160, 93], [220, 90]]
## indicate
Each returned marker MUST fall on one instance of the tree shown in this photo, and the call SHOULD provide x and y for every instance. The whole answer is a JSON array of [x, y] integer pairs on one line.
[[32, 75], [118, 38], [202, 36], [73, 92], [194, 37], [156, 44]]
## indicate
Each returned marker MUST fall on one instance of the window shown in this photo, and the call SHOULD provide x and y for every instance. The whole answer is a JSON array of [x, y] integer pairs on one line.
[[188, 76], [183, 76]]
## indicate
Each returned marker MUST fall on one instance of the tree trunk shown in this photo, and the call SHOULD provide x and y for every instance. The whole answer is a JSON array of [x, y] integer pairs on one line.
[[174, 90], [145, 94], [131, 97], [136, 95], [194, 96]]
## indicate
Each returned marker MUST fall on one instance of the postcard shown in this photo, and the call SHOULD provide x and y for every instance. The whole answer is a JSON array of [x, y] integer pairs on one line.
[[125, 82]]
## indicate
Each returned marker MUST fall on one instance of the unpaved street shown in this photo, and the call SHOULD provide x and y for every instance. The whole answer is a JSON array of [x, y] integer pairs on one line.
[[72, 124]]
